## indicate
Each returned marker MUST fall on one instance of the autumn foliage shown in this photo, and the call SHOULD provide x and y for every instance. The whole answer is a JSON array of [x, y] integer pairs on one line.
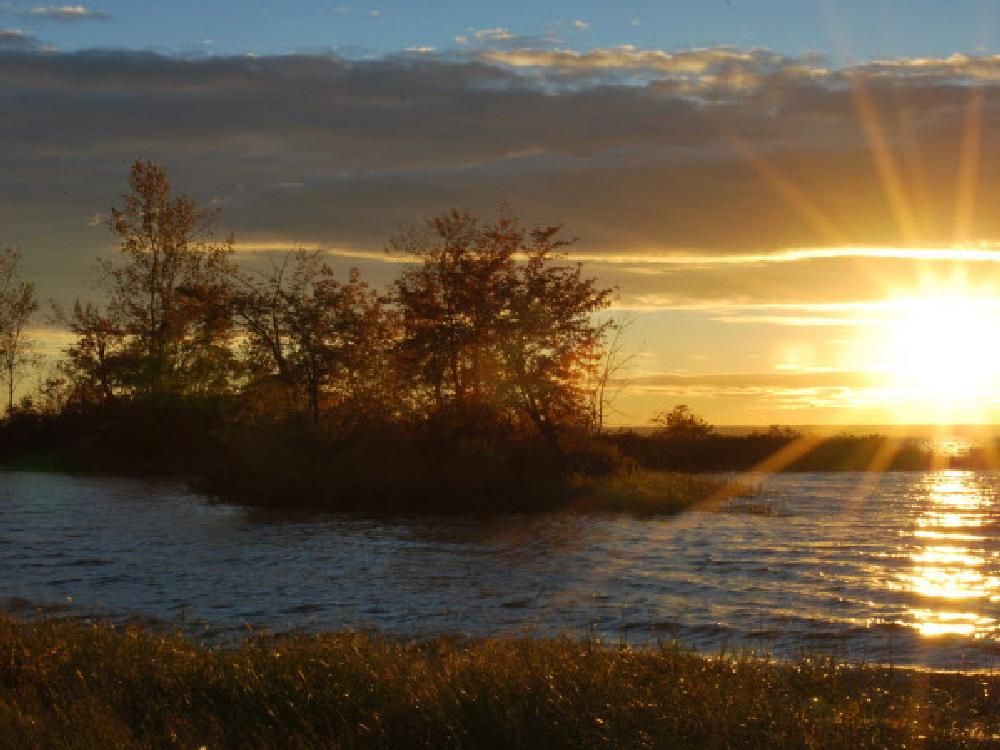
[[483, 354]]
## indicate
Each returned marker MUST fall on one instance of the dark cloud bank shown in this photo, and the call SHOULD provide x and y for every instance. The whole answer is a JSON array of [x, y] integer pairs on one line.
[[635, 151]]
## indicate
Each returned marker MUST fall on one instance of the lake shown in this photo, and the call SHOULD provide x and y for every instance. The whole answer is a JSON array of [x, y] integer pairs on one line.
[[899, 567]]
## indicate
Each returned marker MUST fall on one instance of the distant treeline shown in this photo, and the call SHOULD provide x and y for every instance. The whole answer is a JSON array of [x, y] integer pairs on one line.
[[791, 452]]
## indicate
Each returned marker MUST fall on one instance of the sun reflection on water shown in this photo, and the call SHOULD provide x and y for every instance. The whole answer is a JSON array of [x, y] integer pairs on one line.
[[950, 572]]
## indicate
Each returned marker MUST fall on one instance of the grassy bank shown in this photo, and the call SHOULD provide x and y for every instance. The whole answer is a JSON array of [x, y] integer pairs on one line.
[[645, 492], [66, 685]]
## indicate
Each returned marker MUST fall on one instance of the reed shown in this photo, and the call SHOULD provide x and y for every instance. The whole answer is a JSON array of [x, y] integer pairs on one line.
[[648, 492], [67, 684]]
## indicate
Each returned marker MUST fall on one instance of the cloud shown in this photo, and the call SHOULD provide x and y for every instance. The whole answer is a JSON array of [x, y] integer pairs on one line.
[[697, 72], [822, 378], [985, 253], [492, 35], [68, 13], [15, 40], [580, 24], [690, 177], [775, 397], [501, 38]]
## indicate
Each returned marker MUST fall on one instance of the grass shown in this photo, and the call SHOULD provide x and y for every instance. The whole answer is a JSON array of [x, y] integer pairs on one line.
[[647, 492], [71, 685]]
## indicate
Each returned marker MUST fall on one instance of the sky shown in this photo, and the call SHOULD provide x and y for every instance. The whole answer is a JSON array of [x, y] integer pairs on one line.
[[794, 200], [849, 30]]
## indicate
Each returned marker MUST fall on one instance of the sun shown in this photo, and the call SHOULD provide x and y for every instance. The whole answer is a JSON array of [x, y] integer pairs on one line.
[[940, 348]]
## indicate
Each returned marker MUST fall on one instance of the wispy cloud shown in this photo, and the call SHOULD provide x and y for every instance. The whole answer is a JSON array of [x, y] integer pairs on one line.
[[497, 34], [796, 321], [982, 254], [16, 40], [251, 247], [795, 379], [68, 13], [707, 71], [500, 38], [701, 260]]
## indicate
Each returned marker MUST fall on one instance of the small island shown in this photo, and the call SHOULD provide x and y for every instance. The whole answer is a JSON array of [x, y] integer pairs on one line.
[[475, 382]]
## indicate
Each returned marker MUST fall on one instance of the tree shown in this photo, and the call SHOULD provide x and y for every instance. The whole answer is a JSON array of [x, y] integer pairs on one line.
[[494, 322], [778, 431], [551, 344], [451, 304], [608, 383], [18, 302], [681, 423], [319, 338], [98, 363], [169, 294]]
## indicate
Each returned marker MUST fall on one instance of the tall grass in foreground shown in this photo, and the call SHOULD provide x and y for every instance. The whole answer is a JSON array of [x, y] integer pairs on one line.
[[72, 685]]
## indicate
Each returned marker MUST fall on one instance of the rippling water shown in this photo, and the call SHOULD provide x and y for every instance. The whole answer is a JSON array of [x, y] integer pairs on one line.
[[894, 567]]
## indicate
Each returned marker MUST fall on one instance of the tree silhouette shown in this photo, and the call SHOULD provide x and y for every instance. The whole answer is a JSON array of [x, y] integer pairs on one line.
[[681, 423], [493, 322], [608, 382], [18, 302], [315, 336], [98, 364], [169, 294]]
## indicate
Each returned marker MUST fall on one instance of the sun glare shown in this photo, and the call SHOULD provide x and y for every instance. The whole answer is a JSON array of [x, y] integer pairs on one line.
[[939, 350]]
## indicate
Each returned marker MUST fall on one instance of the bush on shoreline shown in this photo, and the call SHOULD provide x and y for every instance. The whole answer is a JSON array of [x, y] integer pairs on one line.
[[657, 492], [65, 684]]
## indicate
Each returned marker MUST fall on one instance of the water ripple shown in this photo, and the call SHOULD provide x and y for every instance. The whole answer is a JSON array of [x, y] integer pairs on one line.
[[908, 571]]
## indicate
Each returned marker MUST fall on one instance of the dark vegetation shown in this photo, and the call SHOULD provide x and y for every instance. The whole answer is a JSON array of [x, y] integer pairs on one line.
[[72, 685], [683, 441], [713, 453]]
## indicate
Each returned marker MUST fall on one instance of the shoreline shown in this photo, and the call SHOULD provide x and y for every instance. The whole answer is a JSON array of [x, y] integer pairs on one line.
[[202, 633], [641, 493]]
